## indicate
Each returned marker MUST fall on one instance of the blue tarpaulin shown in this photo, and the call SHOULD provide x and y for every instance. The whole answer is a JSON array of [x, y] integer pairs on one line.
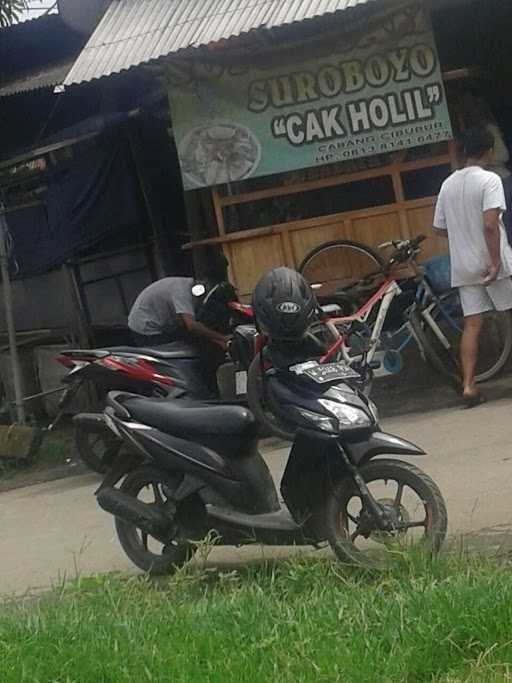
[[87, 200], [438, 272]]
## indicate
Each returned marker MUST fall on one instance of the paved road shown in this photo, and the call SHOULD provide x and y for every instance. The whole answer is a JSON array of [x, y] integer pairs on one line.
[[56, 530]]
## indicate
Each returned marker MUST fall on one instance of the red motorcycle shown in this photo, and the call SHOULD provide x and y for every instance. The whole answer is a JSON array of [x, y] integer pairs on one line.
[[177, 370], [173, 370]]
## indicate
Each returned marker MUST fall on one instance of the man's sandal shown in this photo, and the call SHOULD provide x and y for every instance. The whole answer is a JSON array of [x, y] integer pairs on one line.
[[473, 401]]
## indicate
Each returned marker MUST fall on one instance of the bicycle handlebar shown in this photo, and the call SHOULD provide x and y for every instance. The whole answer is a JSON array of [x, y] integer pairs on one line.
[[404, 250]]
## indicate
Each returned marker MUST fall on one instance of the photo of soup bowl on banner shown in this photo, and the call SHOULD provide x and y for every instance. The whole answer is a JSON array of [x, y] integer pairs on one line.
[[213, 155]]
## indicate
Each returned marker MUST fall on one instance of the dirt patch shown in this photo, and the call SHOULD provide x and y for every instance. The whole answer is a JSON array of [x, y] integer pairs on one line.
[[55, 459]]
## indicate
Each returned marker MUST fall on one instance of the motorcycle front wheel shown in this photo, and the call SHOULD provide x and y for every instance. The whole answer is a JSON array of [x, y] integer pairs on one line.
[[410, 496]]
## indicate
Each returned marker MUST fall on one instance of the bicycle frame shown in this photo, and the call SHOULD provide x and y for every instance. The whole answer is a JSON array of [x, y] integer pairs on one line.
[[383, 296], [428, 301], [425, 312]]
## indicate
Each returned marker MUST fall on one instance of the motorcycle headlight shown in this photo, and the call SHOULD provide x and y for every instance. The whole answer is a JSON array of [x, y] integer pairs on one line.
[[326, 424], [347, 416]]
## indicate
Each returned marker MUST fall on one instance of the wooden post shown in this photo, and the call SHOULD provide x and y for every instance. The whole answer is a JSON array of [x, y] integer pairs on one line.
[[219, 212], [9, 315], [82, 324], [146, 193], [201, 218], [399, 193]]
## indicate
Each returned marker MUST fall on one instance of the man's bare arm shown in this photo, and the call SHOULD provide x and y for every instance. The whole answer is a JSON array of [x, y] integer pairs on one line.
[[199, 330], [493, 242]]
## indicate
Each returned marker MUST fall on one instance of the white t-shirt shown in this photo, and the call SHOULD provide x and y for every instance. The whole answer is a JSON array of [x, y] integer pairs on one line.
[[464, 197]]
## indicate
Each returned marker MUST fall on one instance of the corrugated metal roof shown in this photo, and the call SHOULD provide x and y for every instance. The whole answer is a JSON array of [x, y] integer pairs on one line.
[[133, 32], [45, 77]]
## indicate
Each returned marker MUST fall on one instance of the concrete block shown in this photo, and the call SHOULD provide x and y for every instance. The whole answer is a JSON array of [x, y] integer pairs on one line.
[[29, 381], [19, 441]]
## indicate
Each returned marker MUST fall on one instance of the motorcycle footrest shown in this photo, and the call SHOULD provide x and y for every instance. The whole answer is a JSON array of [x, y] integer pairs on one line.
[[280, 520]]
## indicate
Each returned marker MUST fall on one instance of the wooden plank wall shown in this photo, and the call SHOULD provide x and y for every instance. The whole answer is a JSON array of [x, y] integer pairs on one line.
[[253, 252]]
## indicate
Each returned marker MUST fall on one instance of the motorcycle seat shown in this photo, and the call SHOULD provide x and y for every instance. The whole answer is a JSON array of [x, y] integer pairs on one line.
[[165, 351], [187, 418]]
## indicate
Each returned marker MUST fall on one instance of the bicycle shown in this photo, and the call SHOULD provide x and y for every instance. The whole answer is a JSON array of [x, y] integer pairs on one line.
[[334, 339], [429, 317]]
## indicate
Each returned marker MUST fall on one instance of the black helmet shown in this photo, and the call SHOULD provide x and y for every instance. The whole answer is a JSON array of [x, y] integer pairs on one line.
[[211, 304], [284, 304]]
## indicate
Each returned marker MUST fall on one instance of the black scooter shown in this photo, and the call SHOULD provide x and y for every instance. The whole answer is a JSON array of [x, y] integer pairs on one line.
[[194, 467]]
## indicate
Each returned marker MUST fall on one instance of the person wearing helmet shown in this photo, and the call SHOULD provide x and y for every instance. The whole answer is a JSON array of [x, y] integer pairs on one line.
[[166, 311], [284, 305]]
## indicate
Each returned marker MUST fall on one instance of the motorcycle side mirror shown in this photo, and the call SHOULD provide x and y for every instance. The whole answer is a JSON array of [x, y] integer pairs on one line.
[[198, 290]]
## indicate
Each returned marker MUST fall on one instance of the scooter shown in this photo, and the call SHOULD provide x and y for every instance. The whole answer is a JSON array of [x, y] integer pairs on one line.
[[194, 467]]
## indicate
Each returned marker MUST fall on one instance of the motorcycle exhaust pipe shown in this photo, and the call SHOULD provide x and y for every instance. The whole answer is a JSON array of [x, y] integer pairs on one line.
[[145, 517]]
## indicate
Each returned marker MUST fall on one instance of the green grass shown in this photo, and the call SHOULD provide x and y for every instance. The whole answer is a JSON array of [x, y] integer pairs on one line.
[[292, 621], [57, 447]]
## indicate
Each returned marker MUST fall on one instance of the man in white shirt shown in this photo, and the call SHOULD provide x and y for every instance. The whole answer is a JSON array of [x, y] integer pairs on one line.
[[469, 212]]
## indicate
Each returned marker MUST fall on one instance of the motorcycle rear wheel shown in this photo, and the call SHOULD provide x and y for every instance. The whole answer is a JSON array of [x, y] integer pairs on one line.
[[344, 524], [158, 559], [97, 449]]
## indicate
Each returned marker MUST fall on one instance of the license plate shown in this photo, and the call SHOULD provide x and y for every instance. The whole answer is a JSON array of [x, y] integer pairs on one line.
[[241, 383], [330, 372]]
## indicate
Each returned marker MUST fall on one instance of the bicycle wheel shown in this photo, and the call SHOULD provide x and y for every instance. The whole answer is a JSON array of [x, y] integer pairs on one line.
[[335, 266], [495, 344], [443, 360]]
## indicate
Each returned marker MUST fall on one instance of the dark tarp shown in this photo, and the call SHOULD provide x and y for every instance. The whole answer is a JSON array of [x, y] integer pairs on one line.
[[87, 200]]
